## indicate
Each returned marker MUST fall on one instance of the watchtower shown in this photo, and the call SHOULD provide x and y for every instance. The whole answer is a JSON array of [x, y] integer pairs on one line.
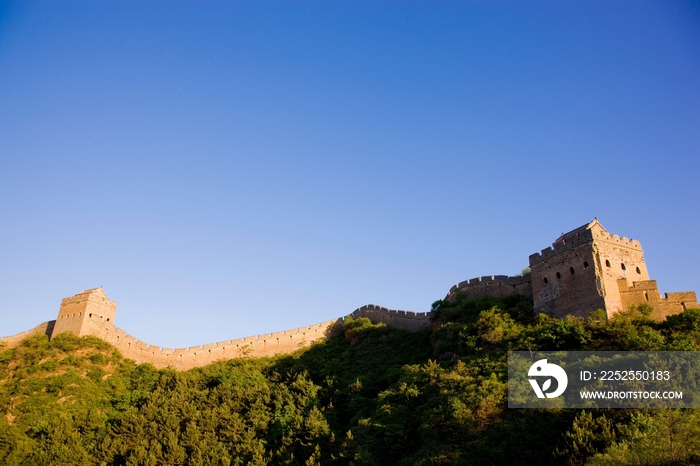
[[589, 268], [580, 272], [89, 306]]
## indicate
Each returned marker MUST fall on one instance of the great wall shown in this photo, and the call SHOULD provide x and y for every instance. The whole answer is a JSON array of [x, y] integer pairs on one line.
[[84, 314], [584, 270]]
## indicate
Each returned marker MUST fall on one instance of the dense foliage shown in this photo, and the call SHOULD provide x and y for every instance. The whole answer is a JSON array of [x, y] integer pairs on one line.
[[371, 396]]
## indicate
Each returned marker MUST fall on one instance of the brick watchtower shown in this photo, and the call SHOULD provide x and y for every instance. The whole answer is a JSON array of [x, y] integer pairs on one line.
[[78, 311], [589, 268]]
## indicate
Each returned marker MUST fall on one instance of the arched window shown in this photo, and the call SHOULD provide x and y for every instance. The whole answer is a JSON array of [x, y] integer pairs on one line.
[[607, 263], [639, 271], [571, 269], [623, 266], [558, 275], [585, 265], [545, 281]]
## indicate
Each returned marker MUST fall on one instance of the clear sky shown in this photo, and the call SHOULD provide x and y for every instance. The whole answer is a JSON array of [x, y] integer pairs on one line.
[[225, 169]]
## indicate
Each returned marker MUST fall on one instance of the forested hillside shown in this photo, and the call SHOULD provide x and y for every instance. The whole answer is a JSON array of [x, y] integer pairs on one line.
[[371, 396]]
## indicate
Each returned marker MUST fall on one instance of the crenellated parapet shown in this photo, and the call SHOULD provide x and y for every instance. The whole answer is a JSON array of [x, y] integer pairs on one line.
[[647, 292], [45, 328], [498, 286], [406, 320], [589, 233], [91, 313], [263, 345], [566, 242]]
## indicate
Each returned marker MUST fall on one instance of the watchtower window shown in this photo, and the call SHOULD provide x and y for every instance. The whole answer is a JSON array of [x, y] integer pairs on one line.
[[639, 271], [558, 275], [545, 281], [90, 315], [623, 266], [607, 263], [585, 265], [571, 269]]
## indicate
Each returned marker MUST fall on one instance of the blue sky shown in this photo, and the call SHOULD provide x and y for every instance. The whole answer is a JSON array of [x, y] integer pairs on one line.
[[225, 169]]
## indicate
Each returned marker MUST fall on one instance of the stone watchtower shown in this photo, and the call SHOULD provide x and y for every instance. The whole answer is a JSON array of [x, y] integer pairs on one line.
[[80, 312], [589, 268]]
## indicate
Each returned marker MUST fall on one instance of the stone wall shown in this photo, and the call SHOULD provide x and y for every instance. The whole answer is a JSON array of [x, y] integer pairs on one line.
[[617, 258], [498, 286], [90, 312], [647, 292], [566, 283], [268, 344], [45, 328], [406, 320]]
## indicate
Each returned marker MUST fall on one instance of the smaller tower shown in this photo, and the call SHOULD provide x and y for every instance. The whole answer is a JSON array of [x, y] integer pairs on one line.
[[78, 312]]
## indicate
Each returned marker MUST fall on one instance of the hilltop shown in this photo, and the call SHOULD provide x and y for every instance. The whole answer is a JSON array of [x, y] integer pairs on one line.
[[371, 394]]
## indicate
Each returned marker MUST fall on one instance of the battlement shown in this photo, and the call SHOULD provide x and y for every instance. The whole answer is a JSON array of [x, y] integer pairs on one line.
[[93, 294], [493, 285], [588, 233], [261, 345], [647, 292], [45, 328], [407, 320], [618, 240], [505, 279], [557, 248]]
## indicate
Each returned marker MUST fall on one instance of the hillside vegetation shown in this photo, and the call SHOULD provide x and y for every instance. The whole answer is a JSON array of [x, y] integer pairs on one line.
[[373, 395]]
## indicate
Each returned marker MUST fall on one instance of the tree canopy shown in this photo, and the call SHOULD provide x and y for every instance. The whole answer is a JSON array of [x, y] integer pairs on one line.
[[374, 395]]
